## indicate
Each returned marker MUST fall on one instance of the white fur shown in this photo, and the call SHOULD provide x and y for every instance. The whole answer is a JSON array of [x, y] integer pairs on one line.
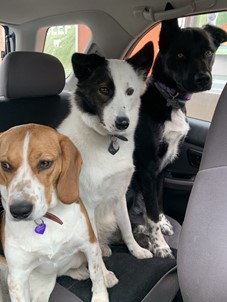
[[104, 178], [34, 260], [174, 130]]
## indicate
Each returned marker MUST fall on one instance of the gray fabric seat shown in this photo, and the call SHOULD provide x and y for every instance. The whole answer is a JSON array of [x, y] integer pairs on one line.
[[31, 86], [202, 264]]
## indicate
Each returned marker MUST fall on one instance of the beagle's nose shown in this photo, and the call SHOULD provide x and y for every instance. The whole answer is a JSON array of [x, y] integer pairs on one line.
[[21, 209]]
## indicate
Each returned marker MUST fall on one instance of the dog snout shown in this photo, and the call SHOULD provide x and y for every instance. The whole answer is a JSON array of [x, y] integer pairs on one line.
[[21, 209], [122, 123], [202, 79]]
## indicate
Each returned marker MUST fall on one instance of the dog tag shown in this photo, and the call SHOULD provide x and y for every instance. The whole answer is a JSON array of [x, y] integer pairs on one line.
[[114, 146], [40, 229]]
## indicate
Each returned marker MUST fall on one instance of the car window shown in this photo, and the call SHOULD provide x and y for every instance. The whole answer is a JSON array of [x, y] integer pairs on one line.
[[2, 43], [205, 100], [63, 41]]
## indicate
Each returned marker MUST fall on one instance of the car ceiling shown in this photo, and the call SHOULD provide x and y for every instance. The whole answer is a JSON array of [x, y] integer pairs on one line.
[[123, 11]]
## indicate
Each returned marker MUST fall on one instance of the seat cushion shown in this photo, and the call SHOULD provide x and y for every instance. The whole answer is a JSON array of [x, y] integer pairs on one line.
[[136, 277]]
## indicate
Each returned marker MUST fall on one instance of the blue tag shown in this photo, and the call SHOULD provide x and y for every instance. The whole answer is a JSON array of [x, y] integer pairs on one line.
[[40, 229]]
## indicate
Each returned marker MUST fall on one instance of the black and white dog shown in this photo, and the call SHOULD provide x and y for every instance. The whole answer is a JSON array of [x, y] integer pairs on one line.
[[102, 122], [182, 67]]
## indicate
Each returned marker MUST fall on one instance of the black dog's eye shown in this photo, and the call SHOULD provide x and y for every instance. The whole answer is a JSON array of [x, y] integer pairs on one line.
[[44, 164], [180, 55], [129, 91], [6, 167], [104, 90], [208, 53]]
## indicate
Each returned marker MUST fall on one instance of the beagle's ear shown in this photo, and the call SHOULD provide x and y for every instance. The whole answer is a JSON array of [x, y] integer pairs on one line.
[[68, 182]]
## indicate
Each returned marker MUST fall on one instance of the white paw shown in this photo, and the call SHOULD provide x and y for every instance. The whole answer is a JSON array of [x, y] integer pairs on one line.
[[165, 225], [163, 252], [110, 279], [140, 252], [106, 251], [81, 273], [100, 297]]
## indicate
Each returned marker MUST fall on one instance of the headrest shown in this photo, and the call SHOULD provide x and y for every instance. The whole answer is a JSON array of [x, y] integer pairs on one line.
[[30, 74]]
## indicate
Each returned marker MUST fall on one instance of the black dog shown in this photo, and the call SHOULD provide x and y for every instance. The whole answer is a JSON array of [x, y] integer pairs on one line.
[[182, 67]]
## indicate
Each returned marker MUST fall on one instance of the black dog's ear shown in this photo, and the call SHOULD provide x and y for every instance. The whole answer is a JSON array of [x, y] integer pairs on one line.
[[217, 34], [84, 65], [143, 59], [169, 29], [169, 6]]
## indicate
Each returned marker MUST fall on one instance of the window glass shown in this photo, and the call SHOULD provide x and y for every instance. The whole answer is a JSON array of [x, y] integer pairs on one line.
[[205, 100], [63, 41], [2, 42]]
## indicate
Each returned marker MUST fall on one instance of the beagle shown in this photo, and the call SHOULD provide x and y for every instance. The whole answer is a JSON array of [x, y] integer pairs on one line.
[[45, 228]]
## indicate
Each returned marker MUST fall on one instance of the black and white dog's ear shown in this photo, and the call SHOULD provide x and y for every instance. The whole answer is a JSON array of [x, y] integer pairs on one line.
[[217, 34], [84, 65], [143, 59], [168, 31]]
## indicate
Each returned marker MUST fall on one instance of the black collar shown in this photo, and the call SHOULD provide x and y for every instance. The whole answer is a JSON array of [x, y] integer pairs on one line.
[[173, 98]]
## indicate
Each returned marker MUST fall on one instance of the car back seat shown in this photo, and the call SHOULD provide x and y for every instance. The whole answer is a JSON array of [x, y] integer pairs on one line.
[[31, 85]]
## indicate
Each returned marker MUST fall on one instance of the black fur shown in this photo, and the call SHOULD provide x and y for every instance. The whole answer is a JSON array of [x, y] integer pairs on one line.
[[92, 68], [184, 64]]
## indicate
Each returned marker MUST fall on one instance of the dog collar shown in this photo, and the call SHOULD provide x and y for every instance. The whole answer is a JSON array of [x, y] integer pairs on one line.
[[41, 226], [173, 98], [114, 145]]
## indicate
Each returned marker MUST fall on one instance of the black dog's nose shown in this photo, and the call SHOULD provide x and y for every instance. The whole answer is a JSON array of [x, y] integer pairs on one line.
[[202, 79], [122, 123], [21, 209]]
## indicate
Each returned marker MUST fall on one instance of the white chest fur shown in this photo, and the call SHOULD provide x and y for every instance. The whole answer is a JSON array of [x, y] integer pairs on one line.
[[103, 174], [174, 130]]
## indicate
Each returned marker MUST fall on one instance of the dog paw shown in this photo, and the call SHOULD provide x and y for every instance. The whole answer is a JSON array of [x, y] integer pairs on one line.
[[106, 251], [110, 279], [165, 225], [163, 252], [140, 252], [81, 273], [101, 297]]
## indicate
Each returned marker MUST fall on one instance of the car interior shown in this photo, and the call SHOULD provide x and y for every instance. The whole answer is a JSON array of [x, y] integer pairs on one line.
[[34, 87]]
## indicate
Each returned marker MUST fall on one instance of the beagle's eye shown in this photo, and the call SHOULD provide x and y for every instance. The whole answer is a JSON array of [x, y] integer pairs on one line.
[[129, 91], [44, 164], [104, 90], [180, 55], [6, 166], [208, 53]]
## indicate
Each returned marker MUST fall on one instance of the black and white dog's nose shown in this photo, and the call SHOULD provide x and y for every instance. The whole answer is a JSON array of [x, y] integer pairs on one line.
[[21, 209], [122, 123]]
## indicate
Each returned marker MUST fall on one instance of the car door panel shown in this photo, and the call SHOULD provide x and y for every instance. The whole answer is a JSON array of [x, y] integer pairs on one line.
[[180, 175]]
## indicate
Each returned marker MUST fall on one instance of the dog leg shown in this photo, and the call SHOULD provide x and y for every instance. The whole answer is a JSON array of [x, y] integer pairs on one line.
[[165, 225], [81, 273], [126, 231], [41, 286], [76, 268], [99, 290], [159, 246], [18, 285]]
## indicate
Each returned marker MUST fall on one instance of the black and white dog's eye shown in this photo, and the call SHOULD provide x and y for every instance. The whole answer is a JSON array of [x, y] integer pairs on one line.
[[44, 164], [129, 91], [180, 55], [104, 90], [208, 53], [6, 167]]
